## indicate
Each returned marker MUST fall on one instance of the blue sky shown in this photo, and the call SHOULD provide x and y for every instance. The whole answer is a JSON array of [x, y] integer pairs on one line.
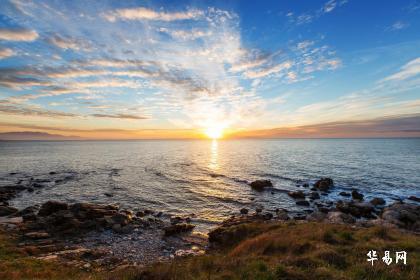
[[133, 69]]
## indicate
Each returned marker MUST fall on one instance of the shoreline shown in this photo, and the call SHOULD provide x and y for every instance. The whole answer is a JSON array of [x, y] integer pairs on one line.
[[106, 237]]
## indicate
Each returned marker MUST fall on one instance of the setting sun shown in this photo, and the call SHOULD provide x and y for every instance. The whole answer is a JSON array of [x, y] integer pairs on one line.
[[214, 132]]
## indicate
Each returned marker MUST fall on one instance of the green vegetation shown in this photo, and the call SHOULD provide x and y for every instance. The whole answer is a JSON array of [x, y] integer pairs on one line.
[[257, 251]]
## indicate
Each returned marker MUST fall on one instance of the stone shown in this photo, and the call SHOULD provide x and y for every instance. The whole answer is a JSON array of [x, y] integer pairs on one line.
[[267, 216], [178, 228], [175, 220], [302, 203], [356, 195], [357, 209], [297, 194], [316, 216], [324, 184], [377, 201], [404, 215], [282, 214], [414, 198], [258, 210], [306, 185], [140, 214], [50, 207], [108, 194], [260, 185], [314, 195], [336, 217], [121, 219], [244, 211], [346, 194], [7, 210]]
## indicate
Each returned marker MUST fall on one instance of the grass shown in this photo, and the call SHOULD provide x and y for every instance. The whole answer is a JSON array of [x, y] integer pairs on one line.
[[256, 251], [299, 251]]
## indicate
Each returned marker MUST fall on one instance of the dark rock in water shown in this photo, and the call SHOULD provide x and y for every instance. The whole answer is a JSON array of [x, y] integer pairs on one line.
[[52, 173], [159, 214], [414, 198], [267, 216], [258, 210], [27, 211], [29, 189], [51, 206], [7, 210], [314, 195], [377, 201], [346, 194], [403, 215], [324, 209], [306, 185], [324, 184], [178, 228], [244, 211], [260, 185], [356, 195], [299, 217], [108, 194], [140, 214], [282, 214], [149, 212], [298, 194], [175, 220], [302, 203], [37, 185]]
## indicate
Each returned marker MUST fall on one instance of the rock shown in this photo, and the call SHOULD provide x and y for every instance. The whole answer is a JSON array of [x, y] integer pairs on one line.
[[299, 217], [316, 216], [148, 212], [123, 229], [346, 194], [356, 195], [377, 201], [30, 189], [7, 210], [37, 185], [121, 219], [403, 215], [267, 216], [258, 210], [108, 194], [178, 228], [357, 209], [314, 195], [260, 185], [297, 194], [282, 214], [175, 220], [244, 211], [37, 235], [324, 184], [340, 218], [52, 173], [140, 214], [302, 203], [306, 185], [414, 198], [50, 207]]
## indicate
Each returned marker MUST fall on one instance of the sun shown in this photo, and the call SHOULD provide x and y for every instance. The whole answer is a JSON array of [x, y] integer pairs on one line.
[[214, 132]]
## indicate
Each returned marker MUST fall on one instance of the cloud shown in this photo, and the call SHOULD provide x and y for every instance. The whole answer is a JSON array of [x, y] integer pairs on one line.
[[6, 52], [185, 35], [269, 70], [32, 111], [67, 43], [409, 70], [142, 13], [308, 17], [18, 34], [120, 116], [399, 25]]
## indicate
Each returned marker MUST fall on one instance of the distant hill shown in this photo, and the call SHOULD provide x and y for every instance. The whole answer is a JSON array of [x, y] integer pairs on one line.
[[32, 135]]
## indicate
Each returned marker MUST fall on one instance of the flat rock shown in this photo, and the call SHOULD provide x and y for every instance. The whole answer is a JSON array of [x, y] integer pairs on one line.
[[297, 194], [324, 184], [178, 228], [260, 185], [7, 210]]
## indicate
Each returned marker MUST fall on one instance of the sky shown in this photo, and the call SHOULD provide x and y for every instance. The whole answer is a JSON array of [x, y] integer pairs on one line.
[[193, 69]]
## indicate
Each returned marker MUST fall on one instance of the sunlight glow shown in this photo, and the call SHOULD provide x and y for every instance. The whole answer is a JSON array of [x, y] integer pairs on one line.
[[214, 132]]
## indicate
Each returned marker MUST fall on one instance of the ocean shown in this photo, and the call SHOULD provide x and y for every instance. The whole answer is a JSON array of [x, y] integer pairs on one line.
[[207, 178]]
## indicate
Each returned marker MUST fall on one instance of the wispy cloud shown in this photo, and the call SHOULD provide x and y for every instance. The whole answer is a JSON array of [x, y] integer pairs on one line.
[[18, 34], [120, 116], [69, 43], [310, 16], [409, 70], [141, 13], [6, 52], [399, 25]]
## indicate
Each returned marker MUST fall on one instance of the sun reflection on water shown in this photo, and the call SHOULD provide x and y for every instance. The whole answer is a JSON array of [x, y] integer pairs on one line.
[[213, 164]]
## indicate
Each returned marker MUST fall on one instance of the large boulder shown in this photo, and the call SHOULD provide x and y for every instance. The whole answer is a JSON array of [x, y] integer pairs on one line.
[[357, 209], [356, 195], [51, 206], [324, 184], [403, 215], [260, 185], [377, 201]]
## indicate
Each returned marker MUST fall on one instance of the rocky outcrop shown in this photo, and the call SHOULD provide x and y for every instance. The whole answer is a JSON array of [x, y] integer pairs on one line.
[[260, 185], [414, 198], [297, 194], [177, 229], [377, 201], [357, 209], [7, 210], [403, 215], [324, 184], [356, 195], [51, 207]]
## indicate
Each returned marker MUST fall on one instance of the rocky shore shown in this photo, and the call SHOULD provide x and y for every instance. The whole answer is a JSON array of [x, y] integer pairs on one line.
[[98, 236]]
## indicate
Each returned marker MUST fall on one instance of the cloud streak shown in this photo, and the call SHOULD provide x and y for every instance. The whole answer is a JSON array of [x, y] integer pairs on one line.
[[18, 34]]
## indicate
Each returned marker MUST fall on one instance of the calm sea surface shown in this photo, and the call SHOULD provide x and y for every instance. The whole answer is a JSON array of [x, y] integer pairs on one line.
[[208, 178]]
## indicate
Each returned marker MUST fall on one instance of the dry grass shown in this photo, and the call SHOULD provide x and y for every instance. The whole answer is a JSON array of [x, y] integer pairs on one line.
[[256, 251], [301, 251]]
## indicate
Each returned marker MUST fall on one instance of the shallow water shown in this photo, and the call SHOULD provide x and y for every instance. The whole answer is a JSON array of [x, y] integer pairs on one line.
[[208, 178]]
